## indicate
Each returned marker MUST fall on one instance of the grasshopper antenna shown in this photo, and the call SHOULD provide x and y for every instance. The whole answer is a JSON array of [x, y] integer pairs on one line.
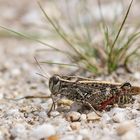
[[41, 69], [42, 75], [29, 97]]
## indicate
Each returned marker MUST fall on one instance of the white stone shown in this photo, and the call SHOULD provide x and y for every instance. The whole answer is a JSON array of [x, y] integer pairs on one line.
[[2, 82], [15, 72], [54, 113], [121, 115], [83, 117], [79, 137], [43, 131], [92, 116], [42, 114], [68, 137], [85, 133], [46, 104], [105, 118], [75, 125], [1, 135], [73, 116], [13, 111], [131, 135], [18, 130], [137, 75], [125, 127]]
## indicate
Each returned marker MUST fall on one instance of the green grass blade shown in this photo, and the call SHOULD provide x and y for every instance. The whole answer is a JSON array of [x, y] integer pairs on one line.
[[132, 39], [30, 38], [124, 20], [106, 39], [57, 30], [112, 54], [57, 63], [134, 52], [63, 37]]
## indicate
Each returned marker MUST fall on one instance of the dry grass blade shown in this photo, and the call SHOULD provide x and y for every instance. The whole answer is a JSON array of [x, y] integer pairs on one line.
[[30, 38], [134, 52], [124, 20], [57, 63], [129, 44], [62, 35], [112, 59], [57, 30]]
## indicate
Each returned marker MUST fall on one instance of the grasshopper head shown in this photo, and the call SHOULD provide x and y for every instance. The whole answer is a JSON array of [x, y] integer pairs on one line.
[[54, 84]]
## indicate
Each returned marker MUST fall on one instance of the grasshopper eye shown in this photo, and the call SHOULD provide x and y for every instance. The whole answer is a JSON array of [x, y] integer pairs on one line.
[[126, 85], [54, 84], [55, 80]]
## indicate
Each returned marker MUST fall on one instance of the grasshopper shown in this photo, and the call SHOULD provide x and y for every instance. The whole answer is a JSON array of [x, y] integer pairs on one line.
[[97, 95]]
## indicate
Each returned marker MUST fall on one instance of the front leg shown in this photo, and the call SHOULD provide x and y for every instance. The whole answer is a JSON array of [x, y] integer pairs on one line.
[[52, 107], [59, 102]]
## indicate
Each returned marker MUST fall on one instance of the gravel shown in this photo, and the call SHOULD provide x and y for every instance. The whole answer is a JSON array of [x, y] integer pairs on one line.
[[27, 119]]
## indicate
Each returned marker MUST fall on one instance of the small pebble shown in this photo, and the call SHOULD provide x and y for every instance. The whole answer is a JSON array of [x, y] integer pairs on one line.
[[42, 114], [105, 118], [54, 113], [13, 111], [68, 137], [87, 135], [18, 129], [135, 113], [138, 100], [83, 117], [2, 82], [1, 135], [75, 125], [92, 116], [15, 72], [46, 104], [137, 105], [33, 86], [131, 135], [136, 75], [53, 137], [73, 116], [125, 127], [43, 131], [121, 115]]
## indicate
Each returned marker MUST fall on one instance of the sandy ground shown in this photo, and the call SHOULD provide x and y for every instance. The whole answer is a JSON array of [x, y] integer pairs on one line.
[[27, 119]]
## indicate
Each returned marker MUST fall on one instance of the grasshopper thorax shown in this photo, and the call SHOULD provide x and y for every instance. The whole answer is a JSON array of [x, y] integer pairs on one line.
[[54, 84]]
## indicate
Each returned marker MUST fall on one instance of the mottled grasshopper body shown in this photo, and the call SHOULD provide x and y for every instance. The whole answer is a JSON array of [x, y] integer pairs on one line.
[[99, 95]]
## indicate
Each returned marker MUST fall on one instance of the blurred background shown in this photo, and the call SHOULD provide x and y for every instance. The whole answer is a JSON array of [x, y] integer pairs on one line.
[[80, 24]]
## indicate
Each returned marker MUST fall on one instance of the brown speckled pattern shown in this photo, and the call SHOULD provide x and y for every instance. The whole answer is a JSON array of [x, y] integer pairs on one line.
[[99, 94]]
